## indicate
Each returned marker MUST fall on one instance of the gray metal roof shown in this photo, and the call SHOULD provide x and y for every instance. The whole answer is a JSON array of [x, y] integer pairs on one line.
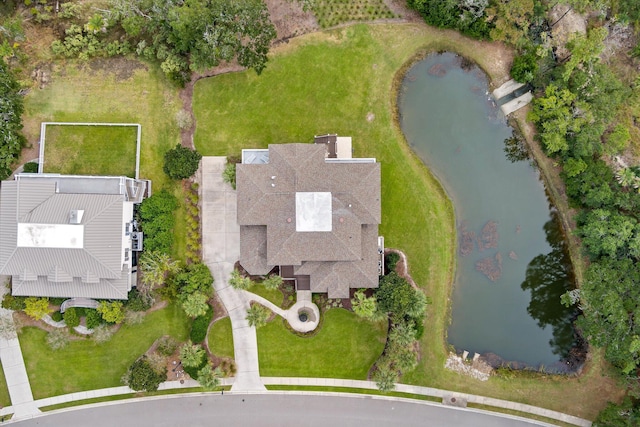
[[345, 256], [93, 270]]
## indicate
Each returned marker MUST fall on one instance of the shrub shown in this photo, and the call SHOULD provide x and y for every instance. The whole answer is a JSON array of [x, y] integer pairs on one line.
[[36, 308], [56, 316], [272, 282], [31, 167], [138, 301], [167, 345], [391, 259], [141, 376], [239, 282], [58, 338], [184, 120], [133, 317], [14, 303], [71, 317], [229, 174], [111, 311], [200, 326], [181, 162], [102, 333], [93, 319]]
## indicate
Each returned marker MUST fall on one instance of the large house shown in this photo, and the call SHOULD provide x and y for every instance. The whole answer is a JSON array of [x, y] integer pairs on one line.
[[313, 211], [69, 236]]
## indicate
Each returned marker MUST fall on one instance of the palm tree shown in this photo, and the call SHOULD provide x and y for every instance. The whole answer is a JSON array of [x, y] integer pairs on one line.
[[155, 266], [626, 177], [257, 315]]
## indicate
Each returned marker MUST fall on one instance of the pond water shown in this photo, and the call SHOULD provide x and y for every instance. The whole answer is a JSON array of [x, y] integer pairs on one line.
[[512, 263]]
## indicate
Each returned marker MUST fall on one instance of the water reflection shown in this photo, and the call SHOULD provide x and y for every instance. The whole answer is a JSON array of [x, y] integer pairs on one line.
[[515, 148], [547, 278]]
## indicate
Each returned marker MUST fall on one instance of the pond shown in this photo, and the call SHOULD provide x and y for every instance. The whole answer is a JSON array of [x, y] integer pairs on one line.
[[512, 263]]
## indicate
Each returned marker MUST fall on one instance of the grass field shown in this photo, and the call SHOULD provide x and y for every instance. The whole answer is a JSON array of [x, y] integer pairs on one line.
[[83, 365], [91, 150], [345, 347], [220, 340], [353, 93], [274, 295], [5, 400], [118, 90]]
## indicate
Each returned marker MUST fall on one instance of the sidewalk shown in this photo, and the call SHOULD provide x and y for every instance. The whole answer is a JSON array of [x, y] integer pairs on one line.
[[13, 366], [326, 382]]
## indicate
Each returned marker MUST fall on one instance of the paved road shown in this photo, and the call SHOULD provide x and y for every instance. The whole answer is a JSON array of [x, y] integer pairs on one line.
[[275, 410]]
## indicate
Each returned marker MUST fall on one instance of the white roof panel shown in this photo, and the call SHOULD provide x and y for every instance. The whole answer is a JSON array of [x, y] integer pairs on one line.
[[313, 211], [68, 236]]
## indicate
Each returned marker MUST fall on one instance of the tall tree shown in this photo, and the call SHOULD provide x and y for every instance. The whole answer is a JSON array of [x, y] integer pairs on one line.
[[11, 108]]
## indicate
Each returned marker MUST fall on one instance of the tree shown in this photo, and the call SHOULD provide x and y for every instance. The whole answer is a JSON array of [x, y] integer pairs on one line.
[[626, 414], [208, 377], [155, 266], [364, 306], [273, 282], [36, 308], [396, 296], [606, 233], [198, 34], [554, 116], [402, 334], [141, 376], [111, 312], [239, 282], [258, 315], [11, 109], [511, 20], [195, 304], [385, 376], [195, 278], [610, 301], [585, 50], [191, 354], [181, 162]]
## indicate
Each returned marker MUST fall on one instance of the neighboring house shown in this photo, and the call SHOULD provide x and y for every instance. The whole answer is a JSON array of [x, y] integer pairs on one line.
[[312, 213], [69, 236]]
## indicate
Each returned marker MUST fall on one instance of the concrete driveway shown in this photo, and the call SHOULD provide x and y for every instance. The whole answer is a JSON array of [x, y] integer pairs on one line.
[[220, 251]]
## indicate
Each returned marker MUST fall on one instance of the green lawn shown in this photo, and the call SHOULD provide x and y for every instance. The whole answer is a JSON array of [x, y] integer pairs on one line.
[[220, 340], [345, 347], [275, 296], [4, 392], [355, 76], [91, 150], [99, 94], [83, 365]]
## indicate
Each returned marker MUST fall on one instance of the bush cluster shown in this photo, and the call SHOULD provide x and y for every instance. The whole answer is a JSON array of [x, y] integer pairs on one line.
[[157, 220], [194, 239], [200, 326]]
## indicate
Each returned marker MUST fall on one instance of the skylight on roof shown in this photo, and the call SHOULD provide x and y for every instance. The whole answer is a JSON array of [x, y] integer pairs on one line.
[[313, 211], [63, 236]]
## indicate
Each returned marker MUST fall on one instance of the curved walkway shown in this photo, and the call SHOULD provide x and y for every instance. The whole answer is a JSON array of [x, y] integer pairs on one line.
[[220, 251], [292, 315]]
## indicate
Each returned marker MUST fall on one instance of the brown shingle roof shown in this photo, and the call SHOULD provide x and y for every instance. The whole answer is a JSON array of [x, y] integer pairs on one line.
[[336, 260]]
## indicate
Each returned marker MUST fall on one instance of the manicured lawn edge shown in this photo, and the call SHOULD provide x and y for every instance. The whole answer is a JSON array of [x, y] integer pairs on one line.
[[186, 391]]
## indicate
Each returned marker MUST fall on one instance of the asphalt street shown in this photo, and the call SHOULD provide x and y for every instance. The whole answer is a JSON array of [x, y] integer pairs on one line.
[[273, 410]]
